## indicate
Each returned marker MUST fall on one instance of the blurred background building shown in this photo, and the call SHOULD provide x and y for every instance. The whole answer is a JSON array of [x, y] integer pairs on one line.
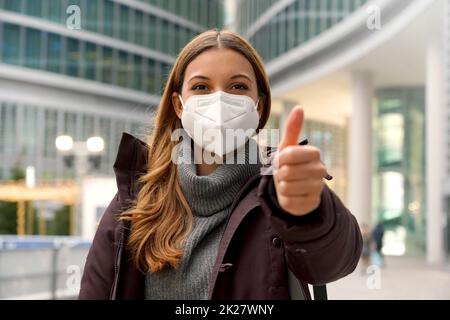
[[100, 80], [79, 68], [367, 74], [372, 76]]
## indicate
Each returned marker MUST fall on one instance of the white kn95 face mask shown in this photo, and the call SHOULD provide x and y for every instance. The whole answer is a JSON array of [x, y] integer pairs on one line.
[[220, 122]]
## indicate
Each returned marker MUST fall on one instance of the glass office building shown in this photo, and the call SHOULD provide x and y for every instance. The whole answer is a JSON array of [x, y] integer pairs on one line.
[[371, 95], [102, 78], [399, 143], [275, 29], [366, 96], [289, 25]]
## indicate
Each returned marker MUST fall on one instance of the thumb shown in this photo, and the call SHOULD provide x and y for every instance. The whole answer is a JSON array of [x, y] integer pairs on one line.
[[293, 128]]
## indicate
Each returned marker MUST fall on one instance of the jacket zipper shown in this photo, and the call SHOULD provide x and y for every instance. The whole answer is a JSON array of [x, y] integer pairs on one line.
[[113, 295], [122, 234]]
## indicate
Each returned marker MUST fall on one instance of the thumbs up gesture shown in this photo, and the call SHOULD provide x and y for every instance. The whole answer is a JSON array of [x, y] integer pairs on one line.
[[298, 171]]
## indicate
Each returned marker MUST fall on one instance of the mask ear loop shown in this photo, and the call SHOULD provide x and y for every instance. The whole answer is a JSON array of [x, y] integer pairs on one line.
[[181, 100], [183, 136], [256, 104]]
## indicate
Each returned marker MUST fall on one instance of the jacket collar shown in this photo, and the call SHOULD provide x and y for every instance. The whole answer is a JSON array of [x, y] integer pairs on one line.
[[131, 162]]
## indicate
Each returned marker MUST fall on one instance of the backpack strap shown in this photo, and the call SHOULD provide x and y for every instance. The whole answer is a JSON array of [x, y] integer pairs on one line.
[[320, 292]]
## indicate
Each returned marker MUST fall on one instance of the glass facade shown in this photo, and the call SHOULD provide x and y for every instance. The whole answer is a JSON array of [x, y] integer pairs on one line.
[[128, 21], [399, 190], [399, 193], [30, 132], [64, 55], [292, 26], [125, 44], [332, 141], [162, 26]]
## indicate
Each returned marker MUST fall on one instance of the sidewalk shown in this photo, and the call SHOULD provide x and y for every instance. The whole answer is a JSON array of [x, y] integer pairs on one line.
[[402, 278]]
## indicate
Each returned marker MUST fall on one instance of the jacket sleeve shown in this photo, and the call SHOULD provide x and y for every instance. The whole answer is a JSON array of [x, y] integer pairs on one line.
[[98, 274], [321, 247]]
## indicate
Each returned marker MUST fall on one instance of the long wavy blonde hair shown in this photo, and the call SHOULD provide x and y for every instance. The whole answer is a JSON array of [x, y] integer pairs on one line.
[[159, 212]]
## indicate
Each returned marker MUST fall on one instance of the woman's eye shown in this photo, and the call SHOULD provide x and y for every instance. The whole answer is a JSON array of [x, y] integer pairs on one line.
[[199, 87], [239, 87]]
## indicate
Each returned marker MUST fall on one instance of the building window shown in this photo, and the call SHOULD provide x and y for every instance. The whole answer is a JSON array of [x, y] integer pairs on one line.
[[56, 11], [107, 65], [33, 48], [178, 39], [105, 133], [137, 73], [193, 10], [391, 139], [88, 126], [92, 18], [50, 133], [8, 128], [2, 126], [70, 127], [11, 43], [392, 196], [172, 39], [30, 130], [150, 78], [204, 12], [138, 28], [13, 5], [152, 32], [290, 27], [300, 22], [400, 143], [186, 36], [391, 104], [73, 57], [331, 14], [54, 49], [123, 69], [123, 25], [281, 33], [33, 8], [165, 37], [90, 60], [108, 18], [317, 17]]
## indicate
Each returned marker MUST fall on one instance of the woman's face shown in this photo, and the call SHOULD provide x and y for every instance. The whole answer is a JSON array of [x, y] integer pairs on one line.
[[218, 70]]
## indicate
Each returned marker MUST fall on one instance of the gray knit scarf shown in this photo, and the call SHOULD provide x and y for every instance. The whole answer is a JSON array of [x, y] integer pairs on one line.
[[210, 198]]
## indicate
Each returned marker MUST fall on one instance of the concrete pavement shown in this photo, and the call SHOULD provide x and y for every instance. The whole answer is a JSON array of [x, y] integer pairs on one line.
[[403, 278]]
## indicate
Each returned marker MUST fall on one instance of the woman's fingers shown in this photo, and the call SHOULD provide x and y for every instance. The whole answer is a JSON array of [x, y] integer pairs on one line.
[[300, 187], [300, 171]]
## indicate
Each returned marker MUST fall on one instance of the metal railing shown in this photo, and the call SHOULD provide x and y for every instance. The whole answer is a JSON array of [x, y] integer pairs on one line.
[[41, 267]]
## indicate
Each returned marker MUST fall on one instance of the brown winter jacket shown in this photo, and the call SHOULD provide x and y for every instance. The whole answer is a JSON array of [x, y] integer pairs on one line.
[[259, 244]]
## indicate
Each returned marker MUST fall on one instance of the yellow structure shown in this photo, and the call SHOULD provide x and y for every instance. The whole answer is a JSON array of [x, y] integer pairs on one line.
[[17, 191]]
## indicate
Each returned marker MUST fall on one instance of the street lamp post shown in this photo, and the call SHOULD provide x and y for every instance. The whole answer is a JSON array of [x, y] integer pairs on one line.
[[78, 154]]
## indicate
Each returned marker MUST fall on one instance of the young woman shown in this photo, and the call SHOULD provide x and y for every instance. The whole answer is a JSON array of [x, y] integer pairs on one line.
[[218, 229]]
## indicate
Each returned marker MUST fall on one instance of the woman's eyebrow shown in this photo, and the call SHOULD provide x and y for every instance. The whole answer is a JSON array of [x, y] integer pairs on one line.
[[199, 77], [241, 75]]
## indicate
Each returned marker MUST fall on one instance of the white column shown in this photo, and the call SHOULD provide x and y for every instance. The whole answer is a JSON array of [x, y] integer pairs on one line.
[[435, 150], [360, 148]]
